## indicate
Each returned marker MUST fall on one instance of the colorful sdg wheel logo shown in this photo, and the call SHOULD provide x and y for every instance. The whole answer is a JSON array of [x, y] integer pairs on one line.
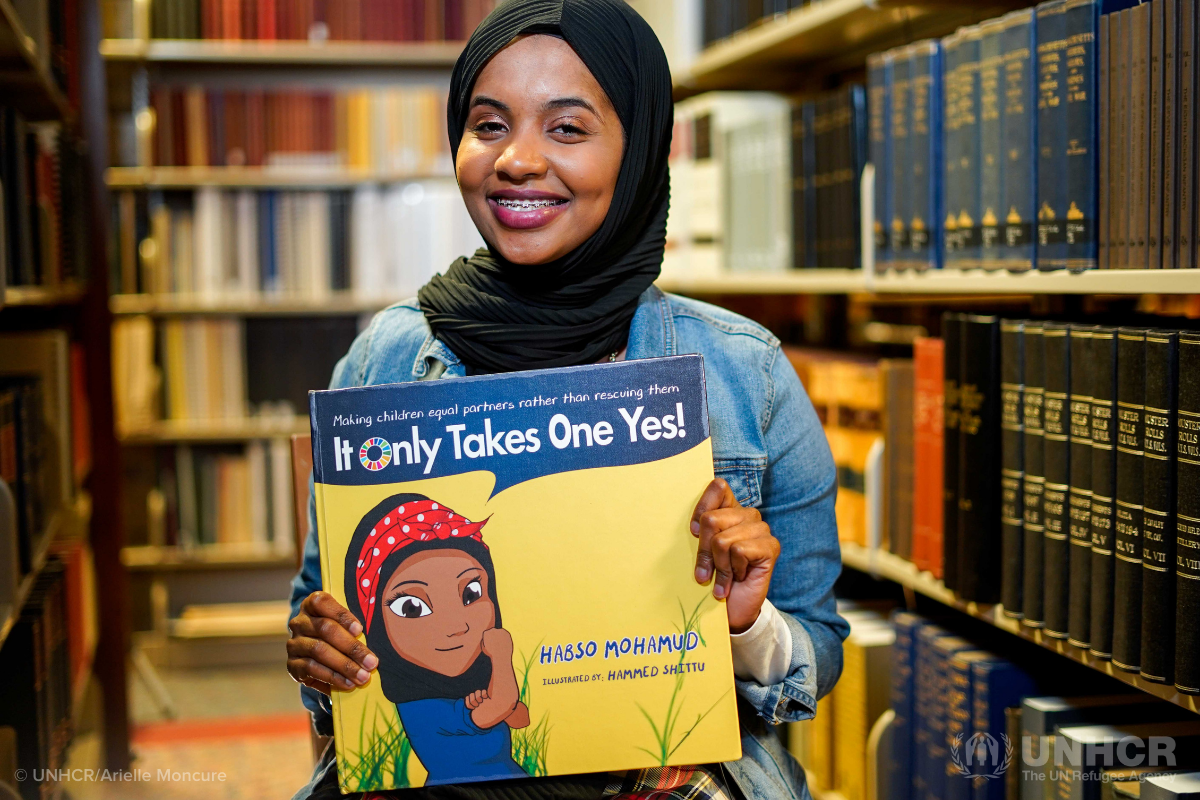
[[375, 454]]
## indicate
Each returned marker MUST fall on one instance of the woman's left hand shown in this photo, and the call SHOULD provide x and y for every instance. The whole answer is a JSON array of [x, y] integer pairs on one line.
[[738, 547]]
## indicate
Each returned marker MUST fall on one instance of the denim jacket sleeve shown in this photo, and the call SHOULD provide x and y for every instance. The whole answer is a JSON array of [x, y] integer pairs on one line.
[[798, 491]]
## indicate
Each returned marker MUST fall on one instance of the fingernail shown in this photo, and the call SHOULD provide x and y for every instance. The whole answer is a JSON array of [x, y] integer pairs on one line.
[[345, 681], [719, 591], [355, 628], [370, 662], [702, 574], [363, 676], [695, 528]]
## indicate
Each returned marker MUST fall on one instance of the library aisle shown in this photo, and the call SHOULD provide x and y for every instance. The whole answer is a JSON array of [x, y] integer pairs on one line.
[[972, 227]]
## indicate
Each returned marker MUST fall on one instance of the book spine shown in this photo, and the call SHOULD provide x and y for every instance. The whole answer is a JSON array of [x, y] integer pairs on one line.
[[1020, 140], [928, 453], [809, 148], [1082, 152], [799, 181], [1187, 516], [1139, 74], [1186, 128], [1118, 144], [1034, 482], [1052, 135], [879, 79], [1158, 507], [991, 145], [1012, 467], [952, 58], [902, 677], [952, 329], [1154, 184], [925, 88], [1055, 508], [901, 184], [1104, 53], [1104, 484], [969, 173], [958, 701], [979, 527], [1127, 568], [1079, 560], [1170, 136]]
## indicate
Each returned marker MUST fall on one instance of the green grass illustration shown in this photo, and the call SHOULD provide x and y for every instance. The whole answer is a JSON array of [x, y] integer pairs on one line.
[[382, 755], [666, 733], [531, 744]]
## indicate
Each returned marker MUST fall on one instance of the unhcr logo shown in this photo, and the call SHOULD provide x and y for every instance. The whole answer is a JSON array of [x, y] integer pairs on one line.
[[981, 755]]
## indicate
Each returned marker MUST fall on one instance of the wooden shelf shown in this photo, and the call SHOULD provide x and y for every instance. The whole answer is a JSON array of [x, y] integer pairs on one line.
[[893, 568], [209, 52], [768, 55], [214, 430], [166, 305], [943, 282], [45, 296], [65, 520], [252, 177], [167, 558], [25, 81]]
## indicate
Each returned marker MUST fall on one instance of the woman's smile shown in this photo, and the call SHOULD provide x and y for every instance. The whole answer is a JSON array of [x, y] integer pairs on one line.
[[526, 209]]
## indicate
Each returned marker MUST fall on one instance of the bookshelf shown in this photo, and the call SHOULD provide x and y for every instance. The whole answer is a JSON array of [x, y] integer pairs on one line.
[[214, 430], [163, 305], [201, 52], [887, 566], [168, 558], [27, 84], [44, 296], [251, 178]]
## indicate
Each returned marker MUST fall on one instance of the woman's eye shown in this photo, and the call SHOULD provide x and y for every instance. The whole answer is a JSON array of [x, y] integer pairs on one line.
[[472, 593], [489, 128], [569, 130], [409, 606]]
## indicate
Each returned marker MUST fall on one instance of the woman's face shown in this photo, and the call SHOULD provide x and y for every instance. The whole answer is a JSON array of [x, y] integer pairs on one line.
[[540, 152], [436, 608]]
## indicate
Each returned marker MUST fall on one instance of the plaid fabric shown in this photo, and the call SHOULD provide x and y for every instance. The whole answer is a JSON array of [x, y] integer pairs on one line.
[[671, 783]]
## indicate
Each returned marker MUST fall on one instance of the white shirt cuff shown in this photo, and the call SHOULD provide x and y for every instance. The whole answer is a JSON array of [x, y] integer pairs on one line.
[[763, 652]]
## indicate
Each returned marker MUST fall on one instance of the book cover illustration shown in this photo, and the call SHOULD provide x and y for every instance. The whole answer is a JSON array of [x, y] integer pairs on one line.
[[518, 550]]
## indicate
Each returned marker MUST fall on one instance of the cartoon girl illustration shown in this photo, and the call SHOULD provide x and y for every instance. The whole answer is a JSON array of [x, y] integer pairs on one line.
[[421, 579]]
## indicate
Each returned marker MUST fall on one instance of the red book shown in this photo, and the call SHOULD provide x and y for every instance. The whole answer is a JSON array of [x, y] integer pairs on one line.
[[284, 11], [927, 454], [81, 417], [304, 19], [179, 140], [231, 19], [235, 130], [256, 128], [249, 19], [435, 16], [265, 27], [210, 19]]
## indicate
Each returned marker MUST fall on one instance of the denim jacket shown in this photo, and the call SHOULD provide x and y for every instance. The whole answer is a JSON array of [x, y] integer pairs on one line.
[[769, 446]]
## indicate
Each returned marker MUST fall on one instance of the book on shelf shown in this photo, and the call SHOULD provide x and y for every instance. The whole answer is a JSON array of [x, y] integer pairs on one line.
[[1180, 786], [1102, 520], [1033, 474], [1128, 512], [413, 499], [1159, 481], [1012, 465], [304, 20], [979, 520], [1078, 575], [897, 376], [1056, 501], [927, 506], [1089, 750], [1187, 515]]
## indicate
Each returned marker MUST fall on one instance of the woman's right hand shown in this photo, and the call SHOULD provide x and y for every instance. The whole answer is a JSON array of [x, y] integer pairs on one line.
[[323, 651]]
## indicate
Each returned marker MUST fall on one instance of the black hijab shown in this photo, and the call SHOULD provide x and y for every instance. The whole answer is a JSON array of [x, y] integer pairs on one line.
[[500, 317]]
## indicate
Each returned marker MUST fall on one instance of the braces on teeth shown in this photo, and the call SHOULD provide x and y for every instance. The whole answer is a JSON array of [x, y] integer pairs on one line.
[[526, 205]]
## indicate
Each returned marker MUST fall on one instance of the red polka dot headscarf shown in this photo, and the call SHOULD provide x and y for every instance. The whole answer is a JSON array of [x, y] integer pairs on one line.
[[412, 522]]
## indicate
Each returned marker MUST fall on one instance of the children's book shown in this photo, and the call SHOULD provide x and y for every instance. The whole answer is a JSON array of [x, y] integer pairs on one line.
[[518, 550]]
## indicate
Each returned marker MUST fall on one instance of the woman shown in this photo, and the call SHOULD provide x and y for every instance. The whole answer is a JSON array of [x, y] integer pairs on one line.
[[421, 579], [560, 119]]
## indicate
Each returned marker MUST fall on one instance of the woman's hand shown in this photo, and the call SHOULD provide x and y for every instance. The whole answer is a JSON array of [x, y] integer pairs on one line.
[[738, 547], [489, 707], [323, 652]]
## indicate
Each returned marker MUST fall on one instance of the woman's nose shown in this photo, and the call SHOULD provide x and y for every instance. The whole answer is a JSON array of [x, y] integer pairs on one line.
[[458, 627], [522, 158]]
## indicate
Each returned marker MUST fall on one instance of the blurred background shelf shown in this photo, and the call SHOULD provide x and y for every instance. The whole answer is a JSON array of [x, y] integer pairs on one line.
[[440, 55], [214, 430], [888, 566], [252, 178], [338, 304], [25, 80], [65, 294], [169, 558]]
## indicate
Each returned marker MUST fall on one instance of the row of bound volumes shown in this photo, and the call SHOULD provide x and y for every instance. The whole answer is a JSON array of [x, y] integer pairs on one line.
[[723, 18], [42, 192], [374, 241], [386, 129], [222, 368], [231, 495], [315, 20]]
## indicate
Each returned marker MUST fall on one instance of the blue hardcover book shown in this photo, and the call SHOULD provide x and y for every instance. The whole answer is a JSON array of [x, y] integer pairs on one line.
[[923, 662], [903, 698], [967, 211], [959, 767], [951, 148], [999, 685], [991, 143], [268, 267], [1020, 139], [1052, 135], [901, 183], [809, 148], [925, 87], [937, 754], [879, 90], [1082, 22]]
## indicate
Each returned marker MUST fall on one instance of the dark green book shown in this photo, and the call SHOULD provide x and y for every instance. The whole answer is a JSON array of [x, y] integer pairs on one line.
[[1056, 423], [1104, 488], [1158, 506], [1012, 468], [1080, 494], [1127, 565], [1034, 474], [1187, 517]]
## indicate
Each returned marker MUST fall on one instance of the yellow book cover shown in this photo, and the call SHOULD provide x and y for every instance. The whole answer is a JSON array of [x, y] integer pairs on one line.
[[518, 550]]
